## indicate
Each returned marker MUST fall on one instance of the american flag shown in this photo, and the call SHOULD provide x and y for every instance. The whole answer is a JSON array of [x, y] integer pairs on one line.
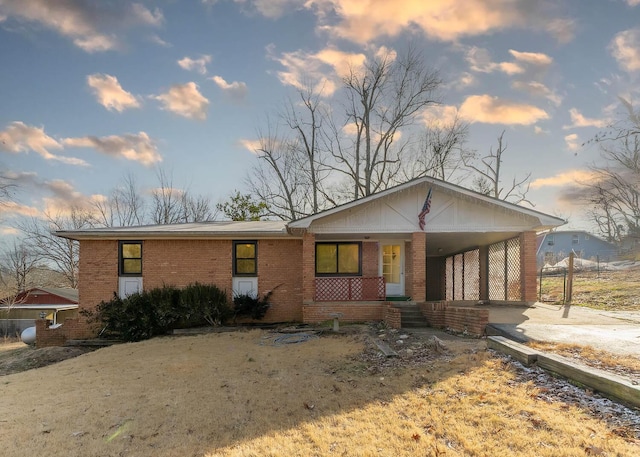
[[425, 210]]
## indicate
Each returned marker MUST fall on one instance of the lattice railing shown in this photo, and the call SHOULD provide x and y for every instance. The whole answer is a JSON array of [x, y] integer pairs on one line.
[[354, 288], [504, 270], [462, 276]]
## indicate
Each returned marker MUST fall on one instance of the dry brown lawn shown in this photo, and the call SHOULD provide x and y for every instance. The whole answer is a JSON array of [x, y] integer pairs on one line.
[[236, 394], [606, 290], [625, 365]]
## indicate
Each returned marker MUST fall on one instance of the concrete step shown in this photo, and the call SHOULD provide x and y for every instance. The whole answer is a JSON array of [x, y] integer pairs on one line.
[[414, 324], [411, 316]]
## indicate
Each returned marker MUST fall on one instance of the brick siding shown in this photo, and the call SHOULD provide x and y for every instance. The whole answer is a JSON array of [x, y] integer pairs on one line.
[[308, 267], [72, 328], [352, 312], [528, 267], [370, 256], [286, 266], [460, 319], [280, 270], [182, 262], [417, 256]]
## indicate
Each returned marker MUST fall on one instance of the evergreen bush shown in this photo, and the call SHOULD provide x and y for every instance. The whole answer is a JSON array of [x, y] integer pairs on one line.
[[205, 302], [157, 311], [246, 305]]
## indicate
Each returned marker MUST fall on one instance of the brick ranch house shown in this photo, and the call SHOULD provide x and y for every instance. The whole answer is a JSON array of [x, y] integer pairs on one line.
[[357, 259]]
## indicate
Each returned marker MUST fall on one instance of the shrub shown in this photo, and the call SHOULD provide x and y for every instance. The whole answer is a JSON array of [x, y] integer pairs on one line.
[[157, 311], [246, 305], [204, 302]]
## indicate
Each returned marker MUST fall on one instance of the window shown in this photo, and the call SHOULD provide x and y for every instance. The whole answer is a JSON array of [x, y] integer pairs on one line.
[[245, 258], [338, 259], [130, 261], [575, 239], [550, 240]]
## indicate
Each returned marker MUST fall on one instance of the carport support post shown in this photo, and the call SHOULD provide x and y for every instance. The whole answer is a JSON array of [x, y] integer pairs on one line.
[[419, 266], [528, 267]]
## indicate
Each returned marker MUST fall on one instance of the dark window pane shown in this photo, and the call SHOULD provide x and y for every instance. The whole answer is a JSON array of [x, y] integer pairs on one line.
[[132, 266], [246, 251], [245, 266], [131, 251], [348, 258], [326, 258]]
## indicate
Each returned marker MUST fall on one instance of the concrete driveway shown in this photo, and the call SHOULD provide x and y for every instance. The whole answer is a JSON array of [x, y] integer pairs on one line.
[[613, 331]]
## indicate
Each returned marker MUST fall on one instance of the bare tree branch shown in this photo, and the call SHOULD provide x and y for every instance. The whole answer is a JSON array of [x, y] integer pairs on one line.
[[489, 180], [60, 253]]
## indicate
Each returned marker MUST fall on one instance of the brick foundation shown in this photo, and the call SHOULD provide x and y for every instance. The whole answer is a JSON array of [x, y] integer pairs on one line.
[[72, 328], [462, 319], [352, 312]]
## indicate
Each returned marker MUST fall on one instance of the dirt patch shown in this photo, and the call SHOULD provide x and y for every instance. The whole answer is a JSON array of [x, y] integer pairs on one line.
[[20, 357]]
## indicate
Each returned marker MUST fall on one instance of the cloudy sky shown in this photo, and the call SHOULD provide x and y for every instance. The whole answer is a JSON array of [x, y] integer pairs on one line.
[[93, 90]]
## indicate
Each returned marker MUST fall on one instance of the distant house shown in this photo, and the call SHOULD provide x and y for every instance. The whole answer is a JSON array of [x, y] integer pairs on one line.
[[21, 311], [423, 242], [555, 246]]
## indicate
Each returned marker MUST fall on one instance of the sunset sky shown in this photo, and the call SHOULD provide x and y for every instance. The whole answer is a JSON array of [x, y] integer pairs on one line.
[[93, 90]]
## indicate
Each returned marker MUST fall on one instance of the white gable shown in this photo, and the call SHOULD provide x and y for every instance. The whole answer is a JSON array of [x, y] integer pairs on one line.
[[451, 211]]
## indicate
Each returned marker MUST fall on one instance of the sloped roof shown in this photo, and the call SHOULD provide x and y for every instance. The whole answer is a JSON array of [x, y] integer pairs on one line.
[[221, 229], [65, 293], [546, 221], [460, 219]]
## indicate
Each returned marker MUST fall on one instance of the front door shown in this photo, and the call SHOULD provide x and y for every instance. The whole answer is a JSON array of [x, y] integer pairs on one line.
[[392, 266]]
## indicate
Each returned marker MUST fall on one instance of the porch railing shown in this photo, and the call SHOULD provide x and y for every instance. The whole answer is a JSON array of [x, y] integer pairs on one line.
[[354, 288]]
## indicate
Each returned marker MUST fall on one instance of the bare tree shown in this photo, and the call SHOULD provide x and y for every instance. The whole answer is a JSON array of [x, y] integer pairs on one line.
[[170, 205], [613, 194], [123, 207], [19, 262], [61, 254], [306, 119], [441, 152], [488, 180], [291, 173], [383, 97], [603, 211], [196, 208], [277, 179], [7, 188]]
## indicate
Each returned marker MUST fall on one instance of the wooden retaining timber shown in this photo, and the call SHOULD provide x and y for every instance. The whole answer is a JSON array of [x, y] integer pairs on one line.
[[520, 352], [610, 385]]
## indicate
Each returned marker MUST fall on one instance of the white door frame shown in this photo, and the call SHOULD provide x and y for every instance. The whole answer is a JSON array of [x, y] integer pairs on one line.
[[393, 289]]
